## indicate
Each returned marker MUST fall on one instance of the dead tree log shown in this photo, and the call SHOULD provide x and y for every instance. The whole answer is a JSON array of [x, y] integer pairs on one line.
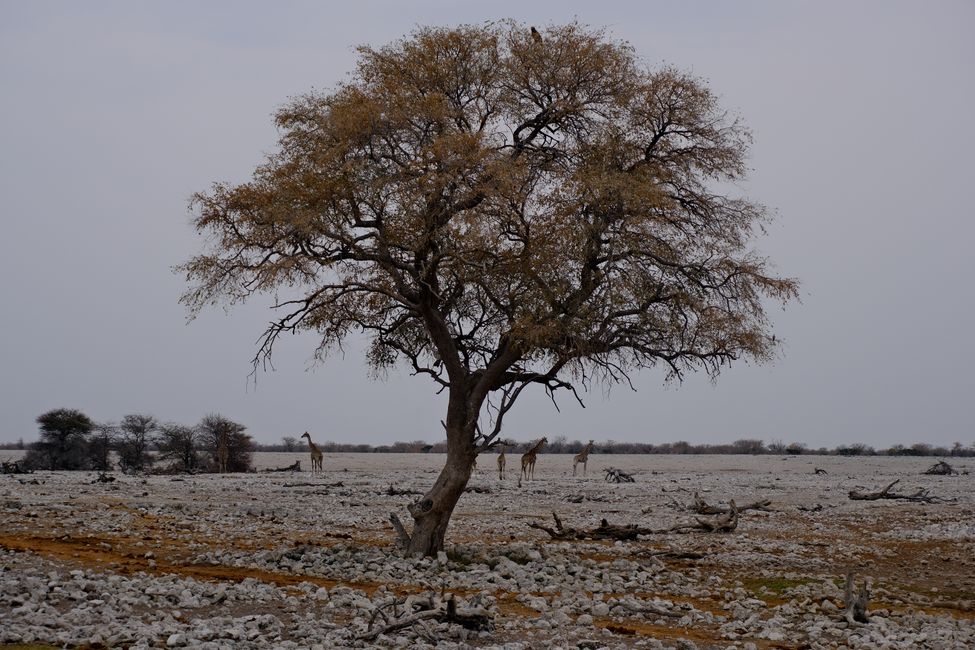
[[921, 496], [294, 467], [605, 530], [725, 523], [941, 468], [395, 491], [618, 476], [445, 611], [701, 507], [856, 605]]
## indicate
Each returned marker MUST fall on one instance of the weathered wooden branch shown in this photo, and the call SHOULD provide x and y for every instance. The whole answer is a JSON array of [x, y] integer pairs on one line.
[[921, 496], [701, 507], [444, 612], [818, 470], [856, 606], [294, 467], [725, 523], [941, 468], [395, 492], [402, 537], [336, 484], [616, 475], [605, 530]]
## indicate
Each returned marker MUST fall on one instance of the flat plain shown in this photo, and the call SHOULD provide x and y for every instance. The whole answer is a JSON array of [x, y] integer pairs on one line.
[[291, 560]]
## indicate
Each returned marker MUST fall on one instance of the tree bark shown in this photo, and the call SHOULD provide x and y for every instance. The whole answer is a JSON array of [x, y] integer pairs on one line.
[[431, 513]]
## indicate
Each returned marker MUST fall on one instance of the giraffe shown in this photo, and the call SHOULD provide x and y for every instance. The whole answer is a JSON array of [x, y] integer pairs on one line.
[[316, 454], [223, 450], [501, 462], [582, 457], [528, 460]]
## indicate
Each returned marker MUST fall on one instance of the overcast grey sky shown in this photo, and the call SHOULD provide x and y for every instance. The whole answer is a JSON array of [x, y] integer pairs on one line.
[[113, 113]]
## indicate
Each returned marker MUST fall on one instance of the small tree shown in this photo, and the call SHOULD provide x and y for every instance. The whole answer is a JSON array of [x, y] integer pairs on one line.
[[748, 446], [290, 443], [777, 447], [64, 441], [240, 447], [132, 440], [178, 444], [499, 209], [100, 444], [796, 448]]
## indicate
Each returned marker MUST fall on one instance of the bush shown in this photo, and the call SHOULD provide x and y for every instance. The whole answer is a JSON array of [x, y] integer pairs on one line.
[[64, 441], [132, 441], [240, 447], [178, 444]]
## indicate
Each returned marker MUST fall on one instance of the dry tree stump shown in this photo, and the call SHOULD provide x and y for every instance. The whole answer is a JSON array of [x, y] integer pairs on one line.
[[856, 604]]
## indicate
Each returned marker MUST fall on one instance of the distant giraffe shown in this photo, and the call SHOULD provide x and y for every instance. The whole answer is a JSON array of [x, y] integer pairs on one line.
[[501, 462], [223, 450], [528, 461], [316, 454], [582, 457]]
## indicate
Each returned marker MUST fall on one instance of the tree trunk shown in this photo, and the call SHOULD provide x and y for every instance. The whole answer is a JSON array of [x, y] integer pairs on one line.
[[431, 514]]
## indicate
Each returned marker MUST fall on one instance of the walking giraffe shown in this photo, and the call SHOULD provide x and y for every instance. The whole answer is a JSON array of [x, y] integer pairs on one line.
[[501, 462], [582, 457], [528, 461], [316, 454]]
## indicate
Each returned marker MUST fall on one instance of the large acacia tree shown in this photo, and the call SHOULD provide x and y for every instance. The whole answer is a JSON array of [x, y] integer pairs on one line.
[[499, 210]]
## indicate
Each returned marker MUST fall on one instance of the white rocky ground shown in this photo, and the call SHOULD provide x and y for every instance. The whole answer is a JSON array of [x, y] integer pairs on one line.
[[295, 561]]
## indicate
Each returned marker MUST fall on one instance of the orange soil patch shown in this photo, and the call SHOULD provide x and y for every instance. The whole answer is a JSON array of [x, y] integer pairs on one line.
[[637, 628]]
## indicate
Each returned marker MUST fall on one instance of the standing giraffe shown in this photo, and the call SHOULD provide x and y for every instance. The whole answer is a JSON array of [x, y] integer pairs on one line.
[[501, 462], [528, 461], [316, 454], [582, 457], [223, 450]]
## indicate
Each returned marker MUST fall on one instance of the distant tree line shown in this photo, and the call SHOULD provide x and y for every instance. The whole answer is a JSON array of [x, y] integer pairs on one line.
[[561, 445], [70, 440]]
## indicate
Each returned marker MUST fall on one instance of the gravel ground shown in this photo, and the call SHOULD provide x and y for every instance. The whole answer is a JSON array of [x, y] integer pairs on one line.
[[291, 560]]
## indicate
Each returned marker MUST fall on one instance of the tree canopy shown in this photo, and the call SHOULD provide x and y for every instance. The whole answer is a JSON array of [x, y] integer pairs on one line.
[[499, 211]]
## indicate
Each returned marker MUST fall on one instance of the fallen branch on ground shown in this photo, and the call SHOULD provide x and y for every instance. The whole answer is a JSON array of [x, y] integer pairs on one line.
[[605, 530], [445, 611], [921, 496], [941, 468], [295, 467], [618, 476], [337, 484], [395, 492], [701, 507], [725, 523], [817, 470]]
